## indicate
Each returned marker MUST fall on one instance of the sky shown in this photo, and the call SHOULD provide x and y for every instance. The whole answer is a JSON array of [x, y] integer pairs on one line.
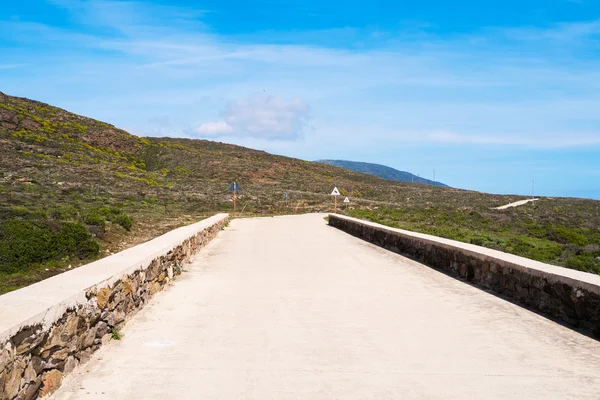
[[495, 96]]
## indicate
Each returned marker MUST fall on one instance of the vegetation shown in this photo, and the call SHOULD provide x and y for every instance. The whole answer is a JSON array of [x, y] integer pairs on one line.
[[73, 189], [115, 334], [26, 243], [563, 232]]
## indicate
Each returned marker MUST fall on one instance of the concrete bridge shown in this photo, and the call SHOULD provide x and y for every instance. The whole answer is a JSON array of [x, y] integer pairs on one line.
[[291, 308]]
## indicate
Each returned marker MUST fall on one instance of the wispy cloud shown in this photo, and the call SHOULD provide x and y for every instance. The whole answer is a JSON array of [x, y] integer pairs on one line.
[[501, 86], [562, 32], [12, 66]]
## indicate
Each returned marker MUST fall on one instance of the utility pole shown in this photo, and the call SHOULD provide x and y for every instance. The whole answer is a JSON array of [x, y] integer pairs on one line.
[[434, 175]]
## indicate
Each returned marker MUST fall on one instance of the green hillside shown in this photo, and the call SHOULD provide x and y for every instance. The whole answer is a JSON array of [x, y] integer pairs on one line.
[[73, 189]]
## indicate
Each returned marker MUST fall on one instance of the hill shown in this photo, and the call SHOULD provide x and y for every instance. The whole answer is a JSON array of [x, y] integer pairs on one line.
[[381, 171], [73, 189]]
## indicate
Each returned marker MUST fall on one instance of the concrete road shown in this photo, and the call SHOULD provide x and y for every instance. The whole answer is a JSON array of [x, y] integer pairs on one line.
[[289, 308], [516, 204]]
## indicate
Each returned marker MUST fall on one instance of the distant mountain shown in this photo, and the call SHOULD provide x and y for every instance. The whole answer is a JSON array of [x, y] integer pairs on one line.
[[381, 171]]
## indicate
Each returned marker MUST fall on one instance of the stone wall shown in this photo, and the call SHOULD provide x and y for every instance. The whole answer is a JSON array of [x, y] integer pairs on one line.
[[49, 342], [569, 296]]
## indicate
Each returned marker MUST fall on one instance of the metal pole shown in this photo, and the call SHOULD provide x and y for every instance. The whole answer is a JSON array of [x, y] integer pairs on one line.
[[234, 199]]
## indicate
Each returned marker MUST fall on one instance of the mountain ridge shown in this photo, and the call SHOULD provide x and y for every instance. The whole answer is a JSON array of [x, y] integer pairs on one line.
[[381, 171]]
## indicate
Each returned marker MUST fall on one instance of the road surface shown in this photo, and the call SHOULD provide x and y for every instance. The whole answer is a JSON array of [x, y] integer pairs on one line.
[[290, 308], [516, 204]]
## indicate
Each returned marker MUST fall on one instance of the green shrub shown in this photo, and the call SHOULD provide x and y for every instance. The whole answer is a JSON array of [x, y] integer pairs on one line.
[[74, 239], [23, 243], [64, 212], [562, 234], [585, 263], [124, 220], [25, 213], [94, 218], [488, 241], [99, 216], [150, 199], [26, 243], [536, 249]]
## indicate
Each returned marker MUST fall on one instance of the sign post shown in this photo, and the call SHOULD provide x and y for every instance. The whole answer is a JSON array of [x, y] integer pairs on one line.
[[335, 194], [285, 198], [234, 187]]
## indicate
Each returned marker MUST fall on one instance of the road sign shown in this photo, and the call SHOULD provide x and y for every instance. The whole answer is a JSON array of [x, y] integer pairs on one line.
[[346, 200], [286, 196], [335, 192], [234, 187]]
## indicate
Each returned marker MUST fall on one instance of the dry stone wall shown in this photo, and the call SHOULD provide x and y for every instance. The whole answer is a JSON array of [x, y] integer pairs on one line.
[[572, 297], [34, 360]]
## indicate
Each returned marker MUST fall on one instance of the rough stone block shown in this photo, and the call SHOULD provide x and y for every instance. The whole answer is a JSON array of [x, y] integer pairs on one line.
[[30, 392], [70, 364], [102, 297], [29, 375], [6, 356], [12, 382], [51, 381]]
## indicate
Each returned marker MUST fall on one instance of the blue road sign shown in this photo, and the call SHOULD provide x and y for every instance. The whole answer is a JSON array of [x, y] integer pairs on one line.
[[234, 186]]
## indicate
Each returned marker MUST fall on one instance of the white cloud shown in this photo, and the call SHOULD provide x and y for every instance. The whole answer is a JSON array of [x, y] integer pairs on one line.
[[260, 116], [214, 128]]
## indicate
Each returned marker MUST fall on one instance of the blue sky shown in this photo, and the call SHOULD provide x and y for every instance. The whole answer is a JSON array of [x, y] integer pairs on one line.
[[490, 94]]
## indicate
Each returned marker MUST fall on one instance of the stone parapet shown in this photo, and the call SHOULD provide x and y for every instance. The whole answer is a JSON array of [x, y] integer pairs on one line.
[[568, 296], [49, 328]]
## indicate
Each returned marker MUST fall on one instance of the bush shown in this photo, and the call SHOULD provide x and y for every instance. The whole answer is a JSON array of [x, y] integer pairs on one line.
[[124, 220], [584, 263], [95, 219], [536, 249], [25, 213], [74, 239], [64, 212], [150, 200], [99, 216], [26, 243], [23, 243], [488, 241], [117, 216], [564, 235]]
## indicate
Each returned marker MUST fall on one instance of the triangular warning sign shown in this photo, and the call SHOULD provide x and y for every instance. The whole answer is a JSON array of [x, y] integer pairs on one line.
[[346, 200], [335, 192]]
